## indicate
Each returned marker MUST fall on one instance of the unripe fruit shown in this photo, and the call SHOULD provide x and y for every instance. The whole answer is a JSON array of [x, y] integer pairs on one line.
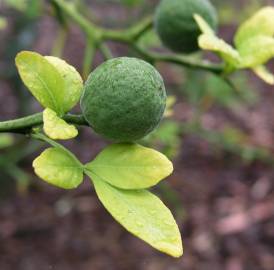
[[176, 26], [124, 99]]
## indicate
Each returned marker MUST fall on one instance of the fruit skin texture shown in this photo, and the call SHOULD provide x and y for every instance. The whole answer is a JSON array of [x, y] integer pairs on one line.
[[176, 26], [124, 99]]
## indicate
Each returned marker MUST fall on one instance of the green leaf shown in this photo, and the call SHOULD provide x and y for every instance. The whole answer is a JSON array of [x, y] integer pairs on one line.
[[143, 214], [56, 128], [54, 83], [72, 79], [130, 166], [260, 24], [203, 25], [226, 51], [264, 74], [42, 79], [256, 51], [59, 168]]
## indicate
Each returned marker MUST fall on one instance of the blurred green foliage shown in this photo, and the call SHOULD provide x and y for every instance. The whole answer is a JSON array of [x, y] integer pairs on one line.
[[205, 89], [167, 138], [227, 14], [3, 23], [24, 15], [131, 3], [31, 8], [6, 140], [13, 154]]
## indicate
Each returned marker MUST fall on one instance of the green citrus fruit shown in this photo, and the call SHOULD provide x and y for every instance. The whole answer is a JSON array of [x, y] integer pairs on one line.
[[176, 26], [124, 99]]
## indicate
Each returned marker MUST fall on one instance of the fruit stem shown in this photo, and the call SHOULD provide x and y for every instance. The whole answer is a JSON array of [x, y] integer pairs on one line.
[[25, 124]]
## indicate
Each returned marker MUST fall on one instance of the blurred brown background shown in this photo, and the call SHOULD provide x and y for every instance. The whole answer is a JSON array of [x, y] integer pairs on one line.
[[222, 190]]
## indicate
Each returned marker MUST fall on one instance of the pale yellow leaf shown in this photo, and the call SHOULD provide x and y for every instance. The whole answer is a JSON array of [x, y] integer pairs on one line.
[[56, 128]]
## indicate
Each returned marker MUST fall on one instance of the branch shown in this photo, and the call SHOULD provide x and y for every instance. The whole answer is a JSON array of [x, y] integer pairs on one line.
[[130, 36], [142, 27], [178, 60], [91, 30], [105, 51], [25, 124], [89, 55]]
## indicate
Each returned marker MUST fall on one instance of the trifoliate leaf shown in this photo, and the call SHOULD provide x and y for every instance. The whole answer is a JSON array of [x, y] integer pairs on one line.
[[143, 214], [203, 25], [42, 79], [256, 51], [264, 74], [260, 24], [130, 166], [59, 168], [56, 128], [72, 79], [226, 51]]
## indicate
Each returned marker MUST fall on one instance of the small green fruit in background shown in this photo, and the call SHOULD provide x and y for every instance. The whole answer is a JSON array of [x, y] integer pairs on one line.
[[176, 26], [124, 99]]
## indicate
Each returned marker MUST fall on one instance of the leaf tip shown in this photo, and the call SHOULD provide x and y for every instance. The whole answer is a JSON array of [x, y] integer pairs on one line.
[[169, 167], [178, 252], [19, 56], [173, 249], [263, 73]]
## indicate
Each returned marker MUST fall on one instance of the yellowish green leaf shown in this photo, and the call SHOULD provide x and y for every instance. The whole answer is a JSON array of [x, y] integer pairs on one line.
[[130, 166], [143, 214], [59, 168], [256, 51], [54, 83], [72, 79], [203, 25], [42, 79], [215, 44], [260, 24], [56, 128]]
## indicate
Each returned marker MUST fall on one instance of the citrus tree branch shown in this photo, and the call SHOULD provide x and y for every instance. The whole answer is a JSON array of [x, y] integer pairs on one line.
[[25, 124], [178, 60], [89, 54], [90, 29], [129, 36], [105, 51]]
